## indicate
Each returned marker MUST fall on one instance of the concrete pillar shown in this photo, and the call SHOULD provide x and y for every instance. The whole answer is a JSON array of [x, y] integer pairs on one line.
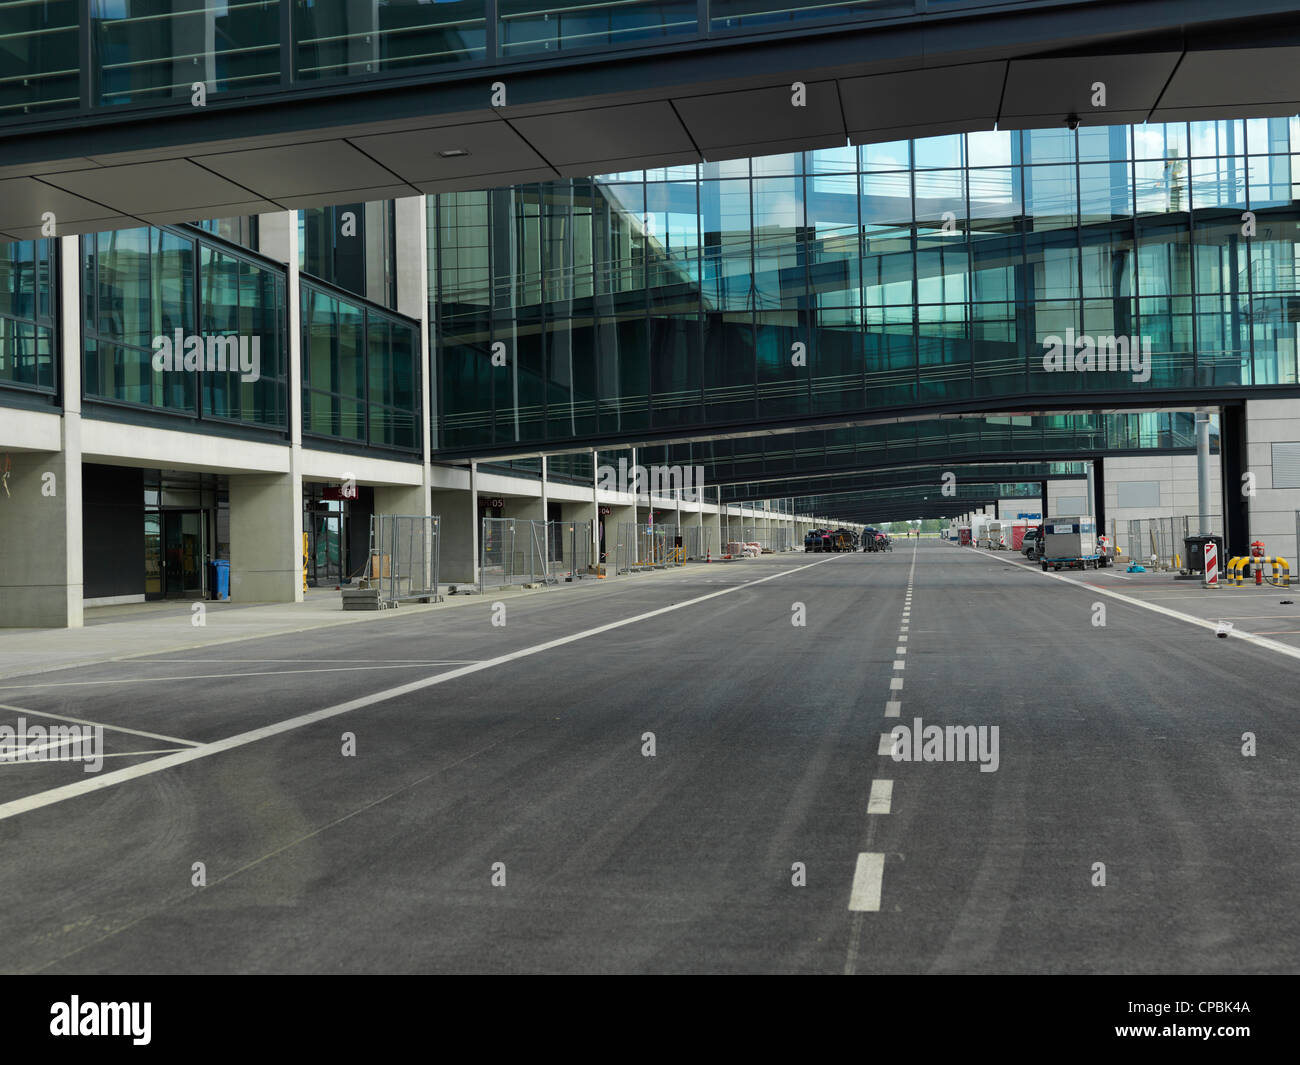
[[457, 512], [40, 528], [266, 538]]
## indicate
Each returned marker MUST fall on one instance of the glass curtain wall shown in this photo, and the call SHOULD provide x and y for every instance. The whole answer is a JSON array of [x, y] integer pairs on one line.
[[360, 374], [859, 280], [27, 333], [146, 290]]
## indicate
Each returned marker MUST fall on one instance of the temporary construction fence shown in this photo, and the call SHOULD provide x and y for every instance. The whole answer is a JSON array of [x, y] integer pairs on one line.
[[404, 556], [642, 547], [532, 551], [1157, 542], [697, 541]]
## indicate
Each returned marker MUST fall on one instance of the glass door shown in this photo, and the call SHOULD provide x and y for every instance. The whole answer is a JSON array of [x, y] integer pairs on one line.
[[184, 553]]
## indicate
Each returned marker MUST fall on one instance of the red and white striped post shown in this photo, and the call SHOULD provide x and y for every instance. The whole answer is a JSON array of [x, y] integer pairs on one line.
[[1211, 576]]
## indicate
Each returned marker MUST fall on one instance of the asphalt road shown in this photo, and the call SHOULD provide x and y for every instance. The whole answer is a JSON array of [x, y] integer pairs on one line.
[[524, 744]]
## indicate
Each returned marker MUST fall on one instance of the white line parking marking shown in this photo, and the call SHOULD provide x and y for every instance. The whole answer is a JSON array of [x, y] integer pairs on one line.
[[867, 878], [882, 795], [100, 724], [157, 765]]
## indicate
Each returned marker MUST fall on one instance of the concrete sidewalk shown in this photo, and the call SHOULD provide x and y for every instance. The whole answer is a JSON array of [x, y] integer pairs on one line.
[[136, 630]]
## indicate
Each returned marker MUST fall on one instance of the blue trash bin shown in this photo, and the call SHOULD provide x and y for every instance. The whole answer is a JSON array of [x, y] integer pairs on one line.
[[219, 579]]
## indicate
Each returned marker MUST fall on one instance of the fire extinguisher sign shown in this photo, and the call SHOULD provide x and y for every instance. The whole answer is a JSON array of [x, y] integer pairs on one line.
[[1211, 565]]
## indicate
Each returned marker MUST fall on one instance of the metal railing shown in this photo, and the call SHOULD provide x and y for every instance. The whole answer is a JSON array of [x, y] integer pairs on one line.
[[404, 557]]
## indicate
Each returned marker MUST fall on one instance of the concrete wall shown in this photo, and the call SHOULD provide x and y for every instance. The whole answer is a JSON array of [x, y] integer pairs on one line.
[[1175, 476], [1272, 510]]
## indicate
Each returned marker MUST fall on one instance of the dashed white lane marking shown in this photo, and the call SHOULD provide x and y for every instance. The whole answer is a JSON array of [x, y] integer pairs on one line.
[[882, 795], [892, 708], [120, 776], [100, 724], [886, 748], [900, 650], [867, 878], [896, 684], [902, 639], [899, 664]]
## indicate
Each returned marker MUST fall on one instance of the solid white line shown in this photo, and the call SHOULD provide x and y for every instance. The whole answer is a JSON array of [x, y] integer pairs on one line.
[[157, 765], [882, 794], [206, 676], [892, 708], [100, 724], [1213, 626], [896, 684], [867, 876]]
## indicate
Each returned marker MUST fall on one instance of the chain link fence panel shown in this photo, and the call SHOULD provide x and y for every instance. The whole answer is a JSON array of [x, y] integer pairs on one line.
[[404, 557]]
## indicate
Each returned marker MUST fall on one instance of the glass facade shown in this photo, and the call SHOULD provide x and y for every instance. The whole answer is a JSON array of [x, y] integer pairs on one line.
[[220, 314], [862, 281], [341, 38], [360, 372], [39, 65], [153, 51], [64, 55], [27, 313], [352, 246]]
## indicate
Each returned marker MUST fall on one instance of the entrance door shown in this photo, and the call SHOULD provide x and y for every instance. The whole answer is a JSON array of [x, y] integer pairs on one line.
[[325, 547], [184, 552]]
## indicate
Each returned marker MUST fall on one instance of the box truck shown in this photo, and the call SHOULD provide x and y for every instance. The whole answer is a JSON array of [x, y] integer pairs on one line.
[[1069, 542]]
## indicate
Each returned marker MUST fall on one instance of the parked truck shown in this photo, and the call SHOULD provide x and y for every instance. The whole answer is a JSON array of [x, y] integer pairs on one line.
[[996, 533], [1069, 542]]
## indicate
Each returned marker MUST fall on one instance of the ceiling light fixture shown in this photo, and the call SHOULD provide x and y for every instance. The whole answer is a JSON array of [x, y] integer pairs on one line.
[[453, 153]]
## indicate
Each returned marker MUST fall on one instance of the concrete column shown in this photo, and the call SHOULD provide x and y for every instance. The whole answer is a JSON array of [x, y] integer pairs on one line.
[[266, 537], [457, 512], [41, 563], [412, 254]]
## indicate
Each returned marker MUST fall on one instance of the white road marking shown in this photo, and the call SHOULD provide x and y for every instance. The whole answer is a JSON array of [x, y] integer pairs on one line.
[[100, 724], [886, 749], [882, 795], [899, 664], [900, 650], [120, 776], [867, 878], [902, 639], [896, 684], [892, 708], [1213, 626], [204, 676]]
